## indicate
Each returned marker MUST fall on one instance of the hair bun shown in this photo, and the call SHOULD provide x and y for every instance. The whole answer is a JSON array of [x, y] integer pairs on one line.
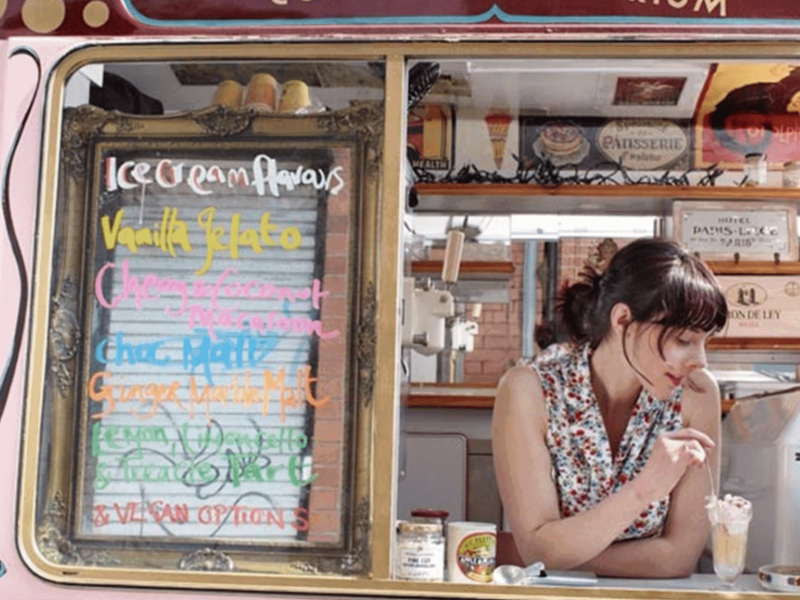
[[577, 304]]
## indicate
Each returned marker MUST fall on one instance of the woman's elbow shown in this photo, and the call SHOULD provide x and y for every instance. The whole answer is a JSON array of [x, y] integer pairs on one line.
[[681, 570], [680, 564], [529, 550], [532, 550]]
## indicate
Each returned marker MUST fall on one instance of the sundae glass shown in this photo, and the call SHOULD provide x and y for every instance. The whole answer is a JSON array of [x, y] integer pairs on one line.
[[730, 519]]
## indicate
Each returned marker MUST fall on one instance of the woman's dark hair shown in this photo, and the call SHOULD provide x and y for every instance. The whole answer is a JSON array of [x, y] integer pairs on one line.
[[659, 281]]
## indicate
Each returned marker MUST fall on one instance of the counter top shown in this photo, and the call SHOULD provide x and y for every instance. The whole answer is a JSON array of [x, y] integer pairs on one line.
[[451, 395], [697, 582]]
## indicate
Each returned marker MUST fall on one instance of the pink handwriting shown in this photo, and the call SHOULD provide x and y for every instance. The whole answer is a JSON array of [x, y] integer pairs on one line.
[[150, 287]]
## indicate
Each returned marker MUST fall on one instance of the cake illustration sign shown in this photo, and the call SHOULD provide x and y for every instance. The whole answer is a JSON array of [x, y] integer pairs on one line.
[[561, 143], [600, 144]]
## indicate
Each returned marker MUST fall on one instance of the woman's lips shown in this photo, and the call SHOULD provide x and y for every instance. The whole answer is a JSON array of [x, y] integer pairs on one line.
[[676, 381]]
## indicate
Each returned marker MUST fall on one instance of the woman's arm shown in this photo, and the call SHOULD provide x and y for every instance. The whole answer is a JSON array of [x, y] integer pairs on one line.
[[523, 466], [676, 552]]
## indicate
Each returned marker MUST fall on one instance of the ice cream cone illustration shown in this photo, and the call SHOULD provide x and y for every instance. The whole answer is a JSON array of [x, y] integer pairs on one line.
[[497, 121]]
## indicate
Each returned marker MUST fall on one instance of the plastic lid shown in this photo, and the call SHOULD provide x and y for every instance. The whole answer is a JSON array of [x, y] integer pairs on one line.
[[419, 527], [431, 513]]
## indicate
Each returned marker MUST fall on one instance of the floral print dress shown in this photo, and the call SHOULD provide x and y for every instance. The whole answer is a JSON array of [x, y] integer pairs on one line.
[[584, 470]]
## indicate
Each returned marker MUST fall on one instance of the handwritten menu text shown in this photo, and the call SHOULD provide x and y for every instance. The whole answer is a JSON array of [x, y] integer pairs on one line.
[[209, 315]]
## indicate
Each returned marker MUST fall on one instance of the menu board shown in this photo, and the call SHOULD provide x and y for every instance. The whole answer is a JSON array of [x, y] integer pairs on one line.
[[206, 317], [216, 396]]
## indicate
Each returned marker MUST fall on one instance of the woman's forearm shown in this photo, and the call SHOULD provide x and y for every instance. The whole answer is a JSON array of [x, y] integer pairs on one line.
[[573, 541], [656, 557]]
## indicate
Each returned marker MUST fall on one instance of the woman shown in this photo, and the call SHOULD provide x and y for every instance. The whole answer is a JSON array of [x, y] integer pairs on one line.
[[600, 450]]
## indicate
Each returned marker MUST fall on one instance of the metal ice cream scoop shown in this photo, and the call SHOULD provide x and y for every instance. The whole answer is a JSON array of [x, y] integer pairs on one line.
[[515, 575], [536, 575]]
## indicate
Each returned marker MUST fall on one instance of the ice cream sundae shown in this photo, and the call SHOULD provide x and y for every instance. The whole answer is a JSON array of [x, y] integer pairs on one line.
[[730, 519]]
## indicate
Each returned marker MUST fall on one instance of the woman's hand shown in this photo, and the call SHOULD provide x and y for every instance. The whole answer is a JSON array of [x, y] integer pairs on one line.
[[673, 453]]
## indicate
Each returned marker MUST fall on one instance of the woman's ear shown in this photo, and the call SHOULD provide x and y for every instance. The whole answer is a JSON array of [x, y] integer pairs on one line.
[[621, 317]]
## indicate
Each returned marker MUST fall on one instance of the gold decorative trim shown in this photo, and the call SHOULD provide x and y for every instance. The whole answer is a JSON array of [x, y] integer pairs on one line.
[[367, 342], [223, 120], [89, 133], [206, 559], [366, 118], [57, 548], [65, 336], [356, 562], [81, 125], [360, 560]]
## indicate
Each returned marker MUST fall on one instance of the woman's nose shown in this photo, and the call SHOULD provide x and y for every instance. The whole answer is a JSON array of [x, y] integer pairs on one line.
[[698, 358]]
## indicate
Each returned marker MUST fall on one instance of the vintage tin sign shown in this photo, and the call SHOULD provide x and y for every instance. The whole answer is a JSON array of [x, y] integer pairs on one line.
[[749, 230], [761, 306], [601, 144], [642, 144], [746, 109]]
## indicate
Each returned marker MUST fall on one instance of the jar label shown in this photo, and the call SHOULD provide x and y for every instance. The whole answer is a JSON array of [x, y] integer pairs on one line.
[[420, 561], [476, 556]]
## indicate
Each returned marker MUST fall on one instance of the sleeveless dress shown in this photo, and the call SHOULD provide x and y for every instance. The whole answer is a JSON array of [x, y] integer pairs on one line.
[[584, 470]]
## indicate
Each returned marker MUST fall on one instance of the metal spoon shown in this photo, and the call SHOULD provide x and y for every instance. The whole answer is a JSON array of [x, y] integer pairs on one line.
[[711, 480], [515, 575]]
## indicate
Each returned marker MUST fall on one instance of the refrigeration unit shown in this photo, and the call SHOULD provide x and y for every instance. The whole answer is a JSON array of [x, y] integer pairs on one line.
[[761, 462]]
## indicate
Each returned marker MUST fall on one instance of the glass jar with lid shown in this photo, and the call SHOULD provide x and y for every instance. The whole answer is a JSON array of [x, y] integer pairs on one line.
[[791, 174], [755, 169], [419, 550]]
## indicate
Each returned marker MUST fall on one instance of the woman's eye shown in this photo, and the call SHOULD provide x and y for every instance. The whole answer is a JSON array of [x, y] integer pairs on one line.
[[684, 342]]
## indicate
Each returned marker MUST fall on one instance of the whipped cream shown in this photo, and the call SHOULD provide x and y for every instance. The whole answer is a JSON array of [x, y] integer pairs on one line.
[[732, 512]]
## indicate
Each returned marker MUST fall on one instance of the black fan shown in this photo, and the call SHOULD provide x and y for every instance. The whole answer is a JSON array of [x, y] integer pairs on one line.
[[421, 79]]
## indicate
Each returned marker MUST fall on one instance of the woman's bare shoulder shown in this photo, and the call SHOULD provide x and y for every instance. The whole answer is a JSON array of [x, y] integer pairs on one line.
[[519, 374], [519, 379], [519, 391], [519, 417]]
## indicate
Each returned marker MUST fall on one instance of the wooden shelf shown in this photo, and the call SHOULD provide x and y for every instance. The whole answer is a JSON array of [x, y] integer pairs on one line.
[[754, 344], [606, 191], [430, 401], [754, 268], [484, 269], [452, 395], [631, 200], [479, 396]]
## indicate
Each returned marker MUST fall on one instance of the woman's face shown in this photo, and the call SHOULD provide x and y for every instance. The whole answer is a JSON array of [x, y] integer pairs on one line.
[[684, 351]]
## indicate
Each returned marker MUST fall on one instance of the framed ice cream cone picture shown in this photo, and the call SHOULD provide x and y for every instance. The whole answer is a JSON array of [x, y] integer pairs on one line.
[[492, 136], [497, 124]]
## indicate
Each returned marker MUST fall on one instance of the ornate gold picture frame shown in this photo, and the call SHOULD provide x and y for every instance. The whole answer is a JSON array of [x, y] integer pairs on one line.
[[202, 378]]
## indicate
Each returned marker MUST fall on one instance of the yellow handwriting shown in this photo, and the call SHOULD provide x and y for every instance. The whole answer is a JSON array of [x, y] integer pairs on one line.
[[164, 235], [289, 238]]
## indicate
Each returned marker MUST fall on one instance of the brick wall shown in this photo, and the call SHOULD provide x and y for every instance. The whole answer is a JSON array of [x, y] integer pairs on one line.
[[499, 340], [325, 510], [499, 330], [573, 254]]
